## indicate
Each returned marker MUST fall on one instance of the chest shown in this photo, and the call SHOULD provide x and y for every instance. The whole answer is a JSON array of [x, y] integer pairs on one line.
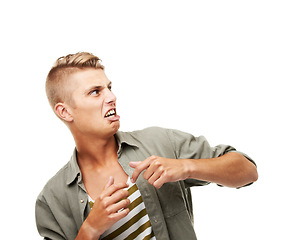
[[96, 180]]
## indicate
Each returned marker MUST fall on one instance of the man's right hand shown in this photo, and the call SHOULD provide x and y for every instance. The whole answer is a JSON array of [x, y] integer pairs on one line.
[[106, 210]]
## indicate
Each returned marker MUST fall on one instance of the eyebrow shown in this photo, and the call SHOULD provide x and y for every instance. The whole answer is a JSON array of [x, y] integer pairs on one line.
[[98, 87]]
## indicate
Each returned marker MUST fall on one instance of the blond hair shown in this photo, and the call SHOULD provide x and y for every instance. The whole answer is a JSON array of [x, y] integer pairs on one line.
[[56, 82]]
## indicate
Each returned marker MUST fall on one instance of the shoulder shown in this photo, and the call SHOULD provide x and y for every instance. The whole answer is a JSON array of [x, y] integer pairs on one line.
[[163, 135], [56, 207], [150, 131], [55, 186], [152, 139], [147, 134]]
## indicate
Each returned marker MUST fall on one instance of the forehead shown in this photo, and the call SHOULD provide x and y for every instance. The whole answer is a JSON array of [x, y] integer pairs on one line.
[[87, 78]]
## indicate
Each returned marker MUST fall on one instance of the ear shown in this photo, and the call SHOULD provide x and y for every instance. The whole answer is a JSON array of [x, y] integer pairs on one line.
[[63, 112]]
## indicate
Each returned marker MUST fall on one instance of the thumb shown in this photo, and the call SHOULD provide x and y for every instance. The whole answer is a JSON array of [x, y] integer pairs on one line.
[[134, 164]]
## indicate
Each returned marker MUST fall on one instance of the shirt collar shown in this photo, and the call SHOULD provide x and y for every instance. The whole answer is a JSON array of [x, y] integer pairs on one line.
[[125, 137], [73, 170]]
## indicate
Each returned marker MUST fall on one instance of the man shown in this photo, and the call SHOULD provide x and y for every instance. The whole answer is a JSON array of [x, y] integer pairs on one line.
[[124, 185]]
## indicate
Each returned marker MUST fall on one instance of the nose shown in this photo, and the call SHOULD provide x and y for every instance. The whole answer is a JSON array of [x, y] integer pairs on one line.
[[110, 97]]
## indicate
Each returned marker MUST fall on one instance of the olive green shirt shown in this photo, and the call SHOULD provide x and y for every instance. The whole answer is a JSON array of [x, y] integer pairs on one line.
[[62, 206]]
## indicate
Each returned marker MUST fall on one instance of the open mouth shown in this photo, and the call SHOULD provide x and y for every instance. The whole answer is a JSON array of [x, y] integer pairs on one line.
[[110, 113]]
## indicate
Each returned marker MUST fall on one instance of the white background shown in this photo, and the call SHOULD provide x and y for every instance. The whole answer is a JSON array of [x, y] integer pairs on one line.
[[233, 71]]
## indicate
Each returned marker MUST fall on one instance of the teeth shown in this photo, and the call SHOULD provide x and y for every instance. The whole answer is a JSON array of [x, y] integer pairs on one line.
[[111, 112]]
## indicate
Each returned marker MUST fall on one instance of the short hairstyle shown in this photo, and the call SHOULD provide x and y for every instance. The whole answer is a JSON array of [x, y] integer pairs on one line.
[[56, 82]]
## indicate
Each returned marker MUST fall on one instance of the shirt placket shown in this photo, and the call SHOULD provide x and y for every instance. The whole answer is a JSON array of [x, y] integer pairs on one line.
[[148, 192], [82, 199]]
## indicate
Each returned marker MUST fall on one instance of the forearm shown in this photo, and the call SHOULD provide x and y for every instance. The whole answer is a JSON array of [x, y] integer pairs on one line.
[[231, 170]]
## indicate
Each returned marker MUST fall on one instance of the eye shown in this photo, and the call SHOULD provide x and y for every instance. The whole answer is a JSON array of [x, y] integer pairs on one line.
[[110, 87], [94, 92]]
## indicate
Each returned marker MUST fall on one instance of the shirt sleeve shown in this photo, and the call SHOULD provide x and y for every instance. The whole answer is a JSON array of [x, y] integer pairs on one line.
[[46, 223], [188, 146]]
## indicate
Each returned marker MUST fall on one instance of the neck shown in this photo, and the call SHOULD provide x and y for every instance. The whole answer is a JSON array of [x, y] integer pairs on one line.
[[96, 152]]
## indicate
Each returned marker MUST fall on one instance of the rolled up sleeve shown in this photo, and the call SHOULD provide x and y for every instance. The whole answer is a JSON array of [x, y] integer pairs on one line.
[[187, 146]]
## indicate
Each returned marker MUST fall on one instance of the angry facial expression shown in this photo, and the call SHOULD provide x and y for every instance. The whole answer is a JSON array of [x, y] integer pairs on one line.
[[93, 108]]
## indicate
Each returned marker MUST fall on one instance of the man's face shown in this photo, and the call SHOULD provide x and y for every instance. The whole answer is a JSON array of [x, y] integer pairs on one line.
[[93, 107]]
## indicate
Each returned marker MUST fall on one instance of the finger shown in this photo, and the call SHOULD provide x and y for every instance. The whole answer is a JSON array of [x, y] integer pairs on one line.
[[118, 196], [110, 182], [112, 189], [119, 215], [160, 181], [155, 167], [140, 168], [121, 205], [115, 198], [134, 164], [137, 172], [154, 176]]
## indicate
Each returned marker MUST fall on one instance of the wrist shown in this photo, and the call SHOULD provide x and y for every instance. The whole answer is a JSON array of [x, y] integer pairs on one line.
[[189, 168], [86, 232]]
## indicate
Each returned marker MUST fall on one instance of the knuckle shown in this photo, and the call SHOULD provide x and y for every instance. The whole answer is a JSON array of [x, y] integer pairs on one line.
[[157, 163], [122, 193], [108, 212], [127, 193], [137, 168], [111, 218], [166, 176], [127, 201], [145, 175], [116, 185], [104, 203]]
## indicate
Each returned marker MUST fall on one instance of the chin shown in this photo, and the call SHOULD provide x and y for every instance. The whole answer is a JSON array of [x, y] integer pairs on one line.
[[116, 126]]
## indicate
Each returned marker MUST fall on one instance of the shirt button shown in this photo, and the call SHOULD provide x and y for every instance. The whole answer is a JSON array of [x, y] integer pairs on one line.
[[82, 201]]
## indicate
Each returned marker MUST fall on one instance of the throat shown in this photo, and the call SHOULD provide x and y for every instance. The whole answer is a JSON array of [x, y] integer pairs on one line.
[[96, 152]]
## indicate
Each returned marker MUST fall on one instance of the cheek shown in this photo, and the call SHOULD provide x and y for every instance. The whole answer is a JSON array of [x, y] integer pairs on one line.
[[88, 116]]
